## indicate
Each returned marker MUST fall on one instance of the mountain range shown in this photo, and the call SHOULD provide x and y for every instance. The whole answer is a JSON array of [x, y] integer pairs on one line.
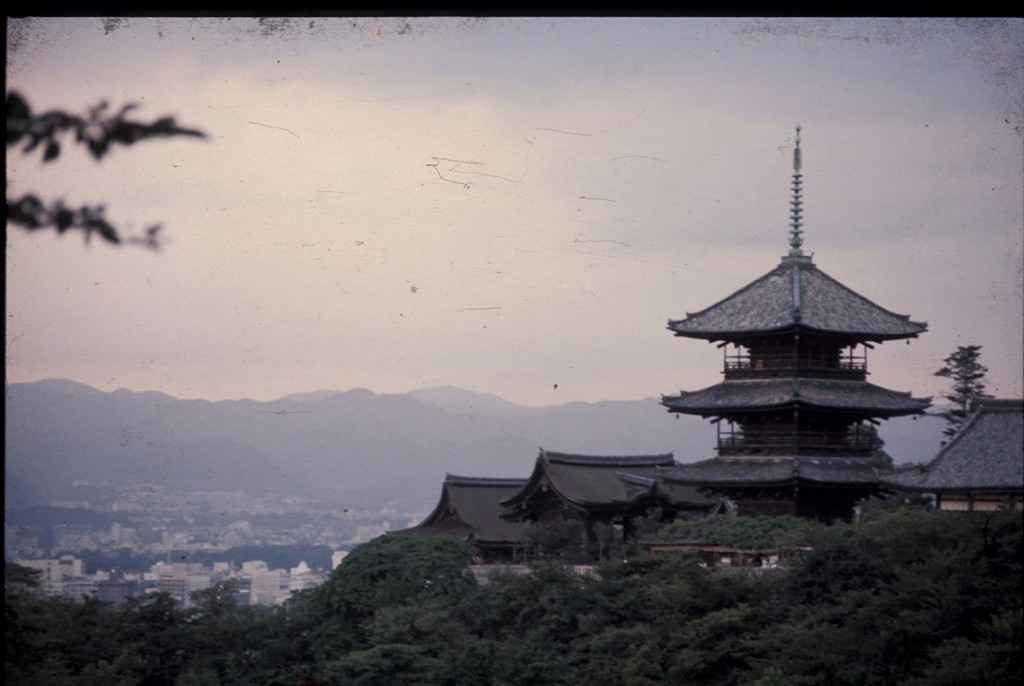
[[354, 447]]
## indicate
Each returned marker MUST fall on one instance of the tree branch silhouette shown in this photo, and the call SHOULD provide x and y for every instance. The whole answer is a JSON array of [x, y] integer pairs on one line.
[[99, 131]]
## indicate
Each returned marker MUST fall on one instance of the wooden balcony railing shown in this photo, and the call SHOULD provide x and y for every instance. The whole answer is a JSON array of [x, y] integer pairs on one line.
[[745, 365], [860, 442]]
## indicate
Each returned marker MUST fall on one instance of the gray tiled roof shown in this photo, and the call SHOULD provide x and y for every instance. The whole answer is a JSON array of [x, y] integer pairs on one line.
[[986, 454], [470, 506], [796, 293], [662, 459], [750, 394], [781, 470], [676, 495], [588, 480]]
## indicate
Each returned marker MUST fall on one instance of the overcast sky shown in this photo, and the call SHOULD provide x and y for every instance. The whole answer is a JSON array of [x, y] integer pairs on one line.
[[515, 206]]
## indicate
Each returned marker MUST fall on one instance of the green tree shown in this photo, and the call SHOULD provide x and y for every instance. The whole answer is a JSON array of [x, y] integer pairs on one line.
[[157, 642], [18, 578], [387, 571], [99, 131], [22, 622], [556, 539], [55, 640], [742, 532], [967, 373], [994, 658], [244, 644], [838, 564]]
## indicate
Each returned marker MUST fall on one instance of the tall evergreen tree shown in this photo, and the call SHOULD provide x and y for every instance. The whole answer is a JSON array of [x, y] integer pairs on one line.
[[964, 367]]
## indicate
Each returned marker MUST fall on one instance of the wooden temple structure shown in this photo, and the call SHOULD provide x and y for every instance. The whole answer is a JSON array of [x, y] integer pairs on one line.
[[795, 412], [469, 509], [599, 488], [981, 468], [492, 514]]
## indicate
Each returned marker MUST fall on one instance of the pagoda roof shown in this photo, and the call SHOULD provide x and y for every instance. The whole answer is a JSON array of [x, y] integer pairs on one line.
[[777, 471], [745, 395], [587, 481], [987, 453], [796, 294], [469, 506]]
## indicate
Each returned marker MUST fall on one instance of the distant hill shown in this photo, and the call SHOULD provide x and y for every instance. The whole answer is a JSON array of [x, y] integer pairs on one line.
[[460, 400], [354, 447], [912, 439]]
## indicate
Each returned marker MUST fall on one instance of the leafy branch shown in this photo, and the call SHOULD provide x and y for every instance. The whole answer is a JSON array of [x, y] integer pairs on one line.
[[99, 131]]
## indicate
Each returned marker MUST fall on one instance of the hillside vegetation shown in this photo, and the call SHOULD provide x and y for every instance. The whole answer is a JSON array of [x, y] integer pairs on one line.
[[905, 597]]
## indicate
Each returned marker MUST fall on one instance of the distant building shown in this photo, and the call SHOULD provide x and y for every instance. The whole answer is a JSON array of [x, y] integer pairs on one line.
[[116, 589], [795, 412], [173, 579], [270, 587], [241, 590], [55, 571], [982, 466], [302, 577], [62, 576]]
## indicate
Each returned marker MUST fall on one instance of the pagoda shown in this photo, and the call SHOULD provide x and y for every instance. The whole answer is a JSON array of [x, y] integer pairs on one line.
[[796, 415]]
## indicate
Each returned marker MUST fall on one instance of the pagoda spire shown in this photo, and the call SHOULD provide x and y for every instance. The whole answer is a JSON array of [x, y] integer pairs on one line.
[[796, 238]]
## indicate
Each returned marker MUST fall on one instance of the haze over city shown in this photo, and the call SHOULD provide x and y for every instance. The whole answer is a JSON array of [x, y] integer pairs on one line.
[[510, 205]]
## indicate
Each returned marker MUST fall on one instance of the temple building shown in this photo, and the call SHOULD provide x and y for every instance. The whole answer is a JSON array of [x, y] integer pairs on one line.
[[796, 415], [493, 514], [982, 466], [599, 488], [469, 508]]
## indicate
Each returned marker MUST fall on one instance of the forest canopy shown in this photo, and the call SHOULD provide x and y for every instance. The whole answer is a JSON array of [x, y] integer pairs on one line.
[[906, 596]]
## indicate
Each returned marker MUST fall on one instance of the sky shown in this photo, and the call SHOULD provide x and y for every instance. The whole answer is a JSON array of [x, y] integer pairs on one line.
[[510, 205]]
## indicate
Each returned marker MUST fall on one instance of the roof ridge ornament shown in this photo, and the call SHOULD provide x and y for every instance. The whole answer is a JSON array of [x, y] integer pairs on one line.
[[795, 224]]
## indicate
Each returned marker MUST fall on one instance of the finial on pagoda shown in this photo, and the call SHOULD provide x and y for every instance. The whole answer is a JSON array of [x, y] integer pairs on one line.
[[796, 238]]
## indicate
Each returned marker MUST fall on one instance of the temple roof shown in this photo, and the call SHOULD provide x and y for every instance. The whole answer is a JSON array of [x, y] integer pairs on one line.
[[765, 394], [986, 454], [773, 471], [469, 506], [587, 481], [796, 294], [674, 495]]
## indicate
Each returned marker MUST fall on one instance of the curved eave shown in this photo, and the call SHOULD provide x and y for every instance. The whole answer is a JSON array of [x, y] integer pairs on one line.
[[712, 335], [483, 481], [782, 481], [821, 472], [533, 484], [623, 461], [788, 481], [679, 404], [642, 481], [440, 510], [958, 488], [541, 479], [517, 501]]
